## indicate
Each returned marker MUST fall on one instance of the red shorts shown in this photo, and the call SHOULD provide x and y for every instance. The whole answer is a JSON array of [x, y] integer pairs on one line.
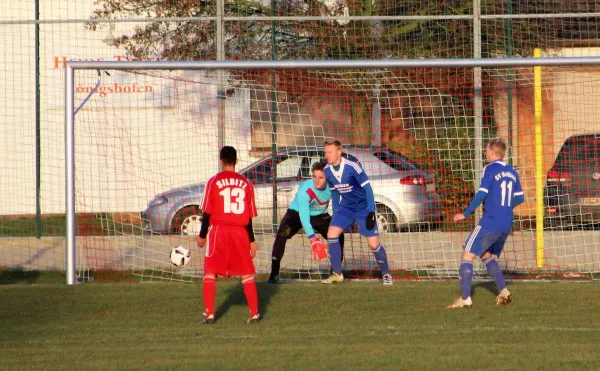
[[227, 252]]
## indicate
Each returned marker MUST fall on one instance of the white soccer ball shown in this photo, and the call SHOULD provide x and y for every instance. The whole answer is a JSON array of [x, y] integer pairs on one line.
[[180, 256]]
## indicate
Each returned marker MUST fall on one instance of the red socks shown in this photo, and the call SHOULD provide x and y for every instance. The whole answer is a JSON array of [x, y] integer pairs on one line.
[[209, 292], [251, 295]]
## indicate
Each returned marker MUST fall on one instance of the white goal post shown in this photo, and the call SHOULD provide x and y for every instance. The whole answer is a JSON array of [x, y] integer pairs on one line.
[[476, 65]]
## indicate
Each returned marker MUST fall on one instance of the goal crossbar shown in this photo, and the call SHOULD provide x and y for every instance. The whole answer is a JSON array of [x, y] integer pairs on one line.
[[335, 64]]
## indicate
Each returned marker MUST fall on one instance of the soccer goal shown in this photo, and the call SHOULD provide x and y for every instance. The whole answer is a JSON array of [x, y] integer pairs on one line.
[[143, 137]]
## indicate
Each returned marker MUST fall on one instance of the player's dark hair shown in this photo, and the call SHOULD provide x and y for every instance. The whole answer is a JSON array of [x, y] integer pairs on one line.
[[334, 142], [320, 166], [228, 155], [498, 145]]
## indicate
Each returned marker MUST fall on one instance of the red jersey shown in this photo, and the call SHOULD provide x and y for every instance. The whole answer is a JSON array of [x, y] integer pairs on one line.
[[229, 199]]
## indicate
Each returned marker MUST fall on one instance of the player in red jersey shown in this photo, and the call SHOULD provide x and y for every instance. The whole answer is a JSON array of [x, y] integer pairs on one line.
[[227, 234]]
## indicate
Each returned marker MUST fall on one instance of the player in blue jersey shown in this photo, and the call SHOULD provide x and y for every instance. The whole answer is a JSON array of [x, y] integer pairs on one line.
[[308, 210], [353, 202], [501, 190]]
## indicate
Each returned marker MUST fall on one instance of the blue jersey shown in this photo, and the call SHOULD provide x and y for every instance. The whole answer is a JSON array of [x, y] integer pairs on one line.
[[501, 183], [348, 181], [310, 201]]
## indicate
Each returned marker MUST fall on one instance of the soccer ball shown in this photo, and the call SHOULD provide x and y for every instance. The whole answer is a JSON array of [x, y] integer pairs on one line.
[[180, 256]]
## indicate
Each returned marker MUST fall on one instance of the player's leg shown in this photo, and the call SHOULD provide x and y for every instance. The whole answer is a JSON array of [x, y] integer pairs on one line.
[[381, 258], [341, 239], [215, 258], [376, 247], [251, 294], [335, 255], [240, 264], [476, 245], [465, 277], [209, 292], [290, 225], [493, 268], [472, 247], [342, 219]]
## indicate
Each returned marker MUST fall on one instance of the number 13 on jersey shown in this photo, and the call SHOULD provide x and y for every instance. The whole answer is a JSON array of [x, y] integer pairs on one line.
[[233, 200]]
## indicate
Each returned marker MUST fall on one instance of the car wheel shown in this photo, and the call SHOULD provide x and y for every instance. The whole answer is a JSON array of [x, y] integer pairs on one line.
[[187, 221], [386, 220]]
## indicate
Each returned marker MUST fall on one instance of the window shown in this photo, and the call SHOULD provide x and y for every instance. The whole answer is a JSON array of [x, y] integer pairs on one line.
[[348, 156], [395, 161], [288, 169], [308, 163], [261, 173], [579, 149]]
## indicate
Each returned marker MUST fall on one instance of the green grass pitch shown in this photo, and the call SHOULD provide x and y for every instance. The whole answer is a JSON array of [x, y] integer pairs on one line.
[[356, 325]]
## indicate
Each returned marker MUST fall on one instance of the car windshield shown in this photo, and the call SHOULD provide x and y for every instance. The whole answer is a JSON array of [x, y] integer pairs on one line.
[[288, 169], [579, 149], [350, 157], [296, 165], [395, 161]]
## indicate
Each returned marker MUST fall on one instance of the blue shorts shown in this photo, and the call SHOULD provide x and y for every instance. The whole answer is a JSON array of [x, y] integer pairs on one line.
[[483, 240], [345, 218]]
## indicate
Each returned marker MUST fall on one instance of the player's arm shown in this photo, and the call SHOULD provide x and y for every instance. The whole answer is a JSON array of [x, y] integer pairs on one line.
[[482, 192], [370, 196], [318, 248], [304, 212], [475, 202], [252, 212], [206, 205], [253, 244], [362, 179], [250, 231], [519, 195], [335, 197], [201, 239]]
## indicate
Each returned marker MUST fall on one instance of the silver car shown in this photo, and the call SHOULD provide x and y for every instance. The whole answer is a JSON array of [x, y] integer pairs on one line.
[[405, 195]]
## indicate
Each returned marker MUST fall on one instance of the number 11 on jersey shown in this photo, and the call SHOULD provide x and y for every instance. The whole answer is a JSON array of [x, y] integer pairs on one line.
[[506, 186]]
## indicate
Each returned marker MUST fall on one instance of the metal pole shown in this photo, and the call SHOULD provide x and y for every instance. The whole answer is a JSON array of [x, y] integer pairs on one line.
[[70, 268], [274, 109], [509, 82], [38, 135], [258, 18], [539, 163], [338, 64], [477, 102], [221, 75]]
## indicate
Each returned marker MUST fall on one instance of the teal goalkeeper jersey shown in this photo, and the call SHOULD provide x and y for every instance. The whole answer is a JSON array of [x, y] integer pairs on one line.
[[310, 201]]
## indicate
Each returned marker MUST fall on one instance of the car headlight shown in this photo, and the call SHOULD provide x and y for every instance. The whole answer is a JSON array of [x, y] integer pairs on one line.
[[159, 200]]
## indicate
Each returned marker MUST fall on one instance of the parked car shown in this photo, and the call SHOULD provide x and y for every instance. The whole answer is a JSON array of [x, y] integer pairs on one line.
[[572, 190], [404, 194]]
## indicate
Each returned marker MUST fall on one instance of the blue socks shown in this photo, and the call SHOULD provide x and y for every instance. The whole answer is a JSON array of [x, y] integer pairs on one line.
[[381, 258], [494, 270], [465, 273], [335, 255]]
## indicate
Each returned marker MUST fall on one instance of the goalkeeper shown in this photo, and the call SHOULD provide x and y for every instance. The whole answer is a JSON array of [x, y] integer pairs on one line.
[[308, 210]]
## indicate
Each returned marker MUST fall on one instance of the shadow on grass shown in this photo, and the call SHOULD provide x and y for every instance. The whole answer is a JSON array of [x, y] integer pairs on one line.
[[235, 296], [487, 285], [26, 277]]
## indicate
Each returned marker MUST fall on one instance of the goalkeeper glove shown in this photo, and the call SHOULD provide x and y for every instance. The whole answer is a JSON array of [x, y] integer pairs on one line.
[[370, 221], [319, 249]]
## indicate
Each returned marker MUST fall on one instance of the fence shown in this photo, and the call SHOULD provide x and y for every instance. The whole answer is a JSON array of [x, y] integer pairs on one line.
[[409, 112]]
